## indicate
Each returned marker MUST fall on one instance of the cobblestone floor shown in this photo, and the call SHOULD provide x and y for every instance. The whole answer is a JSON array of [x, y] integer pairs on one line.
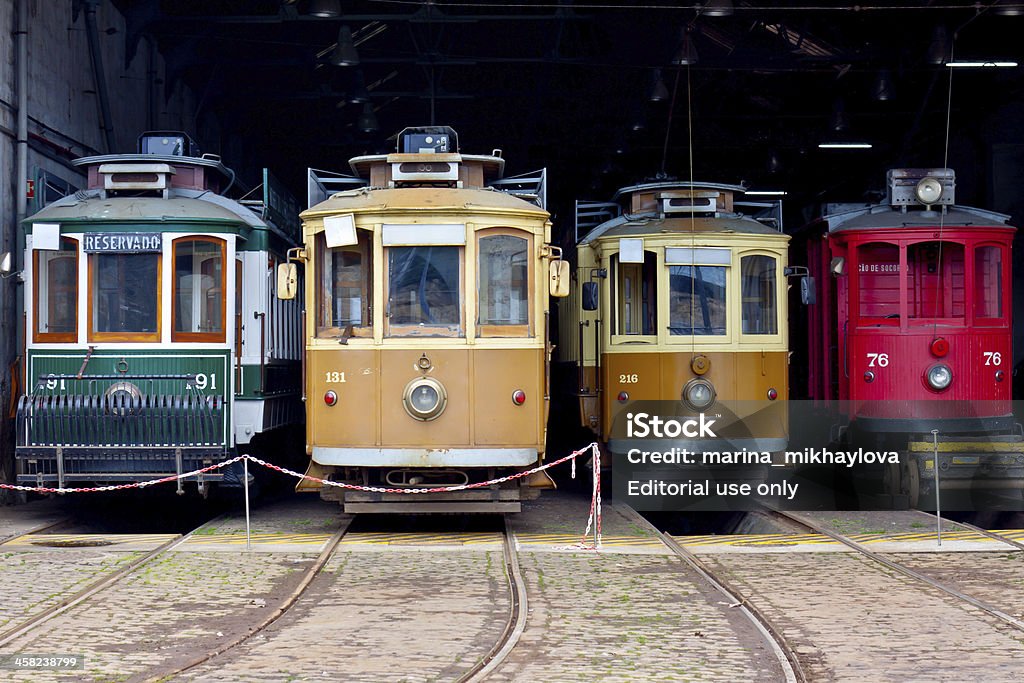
[[851, 620], [33, 581], [629, 618], [180, 604], [996, 578], [388, 616]]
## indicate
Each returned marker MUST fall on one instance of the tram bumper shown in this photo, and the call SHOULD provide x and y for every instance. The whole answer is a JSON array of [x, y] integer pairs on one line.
[[87, 438]]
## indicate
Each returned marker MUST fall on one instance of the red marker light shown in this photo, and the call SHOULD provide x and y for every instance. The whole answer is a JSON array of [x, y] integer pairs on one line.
[[869, 376], [623, 397], [772, 394], [1000, 375], [330, 398], [519, 397], [939, 347]]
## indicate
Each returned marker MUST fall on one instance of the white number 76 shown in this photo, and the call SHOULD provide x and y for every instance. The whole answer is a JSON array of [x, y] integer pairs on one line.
[[992, 357], [879, 359]]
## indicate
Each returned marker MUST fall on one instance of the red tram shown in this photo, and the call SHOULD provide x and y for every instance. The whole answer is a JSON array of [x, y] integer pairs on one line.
[[912, 333]]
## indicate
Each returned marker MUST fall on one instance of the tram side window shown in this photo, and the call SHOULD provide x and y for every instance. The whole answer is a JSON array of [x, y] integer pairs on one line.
[[760, 312], [988, 282], [935, 280], [503, 290], [198, 290], [878, 289], [125, 297], [636, 296], [346, 287], [697, 300], [56, 310], [424, 290]]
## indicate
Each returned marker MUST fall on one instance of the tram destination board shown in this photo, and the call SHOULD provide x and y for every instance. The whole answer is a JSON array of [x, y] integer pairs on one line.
[[123, 242]]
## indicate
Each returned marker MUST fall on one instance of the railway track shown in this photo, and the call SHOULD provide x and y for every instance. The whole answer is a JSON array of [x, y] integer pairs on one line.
[[36, 620], [776, 640], [903, 569]]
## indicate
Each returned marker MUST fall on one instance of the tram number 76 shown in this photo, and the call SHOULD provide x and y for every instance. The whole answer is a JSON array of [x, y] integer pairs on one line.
[[878, 360], [992, 357]]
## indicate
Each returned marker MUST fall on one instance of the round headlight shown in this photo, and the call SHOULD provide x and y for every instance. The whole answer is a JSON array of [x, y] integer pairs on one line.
[[425, 398], [928, 191], [939, 377], [698, 394], [122, 398]]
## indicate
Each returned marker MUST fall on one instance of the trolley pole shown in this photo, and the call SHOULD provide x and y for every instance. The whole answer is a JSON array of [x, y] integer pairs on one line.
[[938, 504], [245, 480]]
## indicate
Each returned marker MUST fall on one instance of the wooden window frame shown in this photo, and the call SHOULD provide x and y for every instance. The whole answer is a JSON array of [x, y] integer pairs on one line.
[[365, 250], [207, 337], [54, 337], [406, 331], [509, 331], [126, 336]]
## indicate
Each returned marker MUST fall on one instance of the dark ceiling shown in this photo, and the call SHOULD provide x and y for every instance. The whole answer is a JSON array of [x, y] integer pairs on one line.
[[566, 85]]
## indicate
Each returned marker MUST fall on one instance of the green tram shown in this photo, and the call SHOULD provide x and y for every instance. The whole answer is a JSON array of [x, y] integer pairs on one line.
[[154, 340]]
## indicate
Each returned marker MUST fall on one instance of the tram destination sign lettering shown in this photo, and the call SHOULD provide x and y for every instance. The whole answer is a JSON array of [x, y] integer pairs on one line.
[[123, 242]]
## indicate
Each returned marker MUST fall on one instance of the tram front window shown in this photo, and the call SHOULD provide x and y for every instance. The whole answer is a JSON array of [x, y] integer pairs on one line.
[[424, 291], [57, 293], [345, 294], [198, 290], [935, 281], [503, 291], [758, 291], [125, 296], [697, 300]]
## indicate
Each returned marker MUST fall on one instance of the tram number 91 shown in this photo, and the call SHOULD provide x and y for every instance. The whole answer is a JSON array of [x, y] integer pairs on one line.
[[204, 381], [992, 357]]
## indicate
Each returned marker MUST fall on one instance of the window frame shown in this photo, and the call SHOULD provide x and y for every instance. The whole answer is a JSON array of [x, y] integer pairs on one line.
[[1004, 266], [489, 331], [407, 331], [616, 303], [94, 335], [208, 337], [856, 286], [366, 251], [55, 337], [780, 292], [963, 320], [699, 258]]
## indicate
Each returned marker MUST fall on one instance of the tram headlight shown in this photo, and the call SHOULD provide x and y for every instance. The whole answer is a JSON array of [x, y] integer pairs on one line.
[[939, 377], [698, 394], [425, 398], [122, 398]]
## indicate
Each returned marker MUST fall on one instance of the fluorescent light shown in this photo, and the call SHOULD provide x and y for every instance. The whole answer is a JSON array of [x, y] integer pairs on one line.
[[980, 65], [766, 193], [844, 145]]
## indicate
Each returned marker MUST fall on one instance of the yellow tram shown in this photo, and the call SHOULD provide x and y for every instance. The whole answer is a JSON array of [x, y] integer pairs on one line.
[[426, 298], [679, 305]]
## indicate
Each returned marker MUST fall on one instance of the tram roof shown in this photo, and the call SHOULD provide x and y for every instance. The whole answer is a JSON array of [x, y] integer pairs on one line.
[[884, 217], [653, 224], [90, 205], [424, 199]]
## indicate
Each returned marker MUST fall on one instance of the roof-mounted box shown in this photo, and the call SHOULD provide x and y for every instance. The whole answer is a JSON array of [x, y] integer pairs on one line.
[[921, 187], [167, 143]]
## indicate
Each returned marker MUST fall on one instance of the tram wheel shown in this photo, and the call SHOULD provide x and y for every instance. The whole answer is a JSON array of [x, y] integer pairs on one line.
[[911, 482], [892, 480]]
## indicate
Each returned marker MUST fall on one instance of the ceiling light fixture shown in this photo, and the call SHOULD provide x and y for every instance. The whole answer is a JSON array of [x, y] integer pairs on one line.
[[686, 55], [345, 53], [766, 193], [328, 9], [1008, 9], [718, 8], [844, 145], [981, 65], [367, 120], [659, 91]]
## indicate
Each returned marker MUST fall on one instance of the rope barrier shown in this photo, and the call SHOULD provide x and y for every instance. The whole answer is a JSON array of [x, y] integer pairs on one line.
[[593, 520]]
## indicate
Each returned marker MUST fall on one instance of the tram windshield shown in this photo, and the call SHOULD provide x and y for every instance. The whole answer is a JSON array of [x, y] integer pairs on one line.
[[198, 290], [424, 291], [346, 287], [988, 282], [503, 292], [125, 296], [636, 294], [760, 311], [697, 300], [935, 280], [56, 310]]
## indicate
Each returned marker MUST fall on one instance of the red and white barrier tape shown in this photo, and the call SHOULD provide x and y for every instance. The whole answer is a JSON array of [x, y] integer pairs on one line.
[[593, 521]]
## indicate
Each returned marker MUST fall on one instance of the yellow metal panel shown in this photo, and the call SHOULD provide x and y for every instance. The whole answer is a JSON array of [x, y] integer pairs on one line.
[[496, 375], [451, 367]]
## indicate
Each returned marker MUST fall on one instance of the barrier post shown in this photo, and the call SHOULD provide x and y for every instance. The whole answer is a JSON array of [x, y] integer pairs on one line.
[[938, 505], [245, 480]]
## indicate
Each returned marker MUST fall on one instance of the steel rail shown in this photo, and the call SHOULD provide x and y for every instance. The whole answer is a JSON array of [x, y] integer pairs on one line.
[[311, 573], [518, 610], [45, 526], [788, 660], [902, 569], [93, 588]]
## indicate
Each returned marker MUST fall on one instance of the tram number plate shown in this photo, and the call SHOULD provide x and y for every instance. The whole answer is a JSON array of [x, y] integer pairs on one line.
[[629, 379], [992, 357], [335, 377]]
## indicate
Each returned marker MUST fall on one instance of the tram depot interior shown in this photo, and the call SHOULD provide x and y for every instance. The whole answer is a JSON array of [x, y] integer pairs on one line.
[[601, 94]]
